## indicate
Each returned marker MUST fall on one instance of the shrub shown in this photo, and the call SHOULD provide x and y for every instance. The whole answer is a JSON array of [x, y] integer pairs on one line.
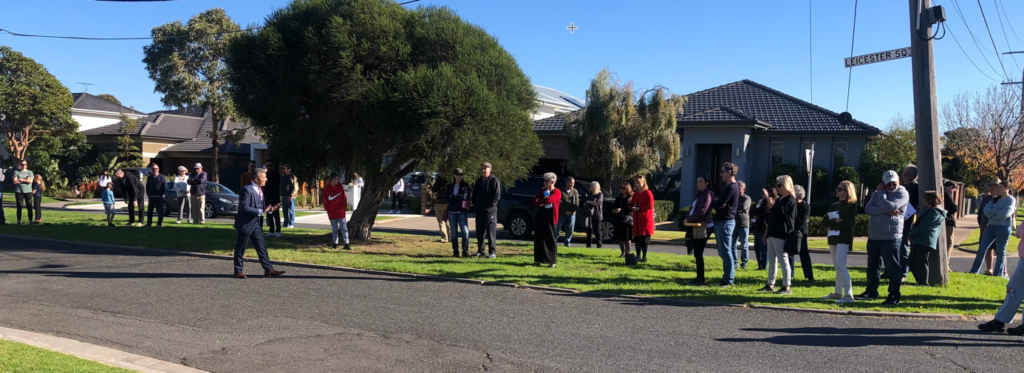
[[663, 210], [782, 169], [815, 229], [971, 192], [846, 173], [820, 184]]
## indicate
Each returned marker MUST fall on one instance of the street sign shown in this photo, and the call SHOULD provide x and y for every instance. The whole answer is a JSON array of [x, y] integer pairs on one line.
[[877, 57]]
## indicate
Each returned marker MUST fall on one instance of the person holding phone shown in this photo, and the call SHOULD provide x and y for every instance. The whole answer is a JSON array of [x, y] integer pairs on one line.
[[545, 236]]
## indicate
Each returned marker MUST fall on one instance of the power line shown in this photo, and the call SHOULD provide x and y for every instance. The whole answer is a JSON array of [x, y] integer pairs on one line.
[[965, 53], [977, 44], [993, 40], [12, 33], [853, 38], [1008, 21], [1005, 36], [810, 45]]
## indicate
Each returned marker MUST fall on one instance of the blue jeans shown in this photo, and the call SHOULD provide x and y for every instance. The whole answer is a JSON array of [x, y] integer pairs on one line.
[[288, 207], [760, 251], [724, 236], [1000, 234], [740, 238], [1014, 295], [889, 252], [569, 222], [459, 220]]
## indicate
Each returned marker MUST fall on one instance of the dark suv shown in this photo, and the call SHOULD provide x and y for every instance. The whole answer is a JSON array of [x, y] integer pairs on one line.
[[414, 186], [516, 209]]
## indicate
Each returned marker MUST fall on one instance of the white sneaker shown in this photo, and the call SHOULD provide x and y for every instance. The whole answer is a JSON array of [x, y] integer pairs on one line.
[[179, 221], [391, 212], [832, 296], [844, 300], [290, 226]]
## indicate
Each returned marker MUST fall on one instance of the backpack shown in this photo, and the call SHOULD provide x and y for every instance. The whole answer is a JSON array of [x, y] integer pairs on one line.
[[631, 259]]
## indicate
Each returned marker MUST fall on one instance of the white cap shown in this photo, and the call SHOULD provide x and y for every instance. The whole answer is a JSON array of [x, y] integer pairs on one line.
[[890, 176], [198, 165]]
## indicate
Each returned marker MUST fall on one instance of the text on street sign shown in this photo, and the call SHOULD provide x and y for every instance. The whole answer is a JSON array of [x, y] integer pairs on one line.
[[877, 57]]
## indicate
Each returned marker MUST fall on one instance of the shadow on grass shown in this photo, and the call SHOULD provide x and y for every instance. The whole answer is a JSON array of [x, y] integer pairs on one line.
[[863, 337]]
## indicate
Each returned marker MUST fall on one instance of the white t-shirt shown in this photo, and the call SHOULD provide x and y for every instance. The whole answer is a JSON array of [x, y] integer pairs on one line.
[[104, 180], [399, 186]]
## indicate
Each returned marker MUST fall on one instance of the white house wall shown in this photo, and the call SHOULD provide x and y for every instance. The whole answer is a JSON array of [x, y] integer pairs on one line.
[[89, 121]]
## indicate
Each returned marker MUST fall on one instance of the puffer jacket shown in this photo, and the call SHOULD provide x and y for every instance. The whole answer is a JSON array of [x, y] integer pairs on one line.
[[882, 226]]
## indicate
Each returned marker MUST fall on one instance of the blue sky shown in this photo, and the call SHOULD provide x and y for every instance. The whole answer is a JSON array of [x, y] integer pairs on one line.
[[685, 45]]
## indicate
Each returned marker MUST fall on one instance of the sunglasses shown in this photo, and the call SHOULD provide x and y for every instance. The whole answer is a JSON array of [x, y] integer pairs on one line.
[[458, 174], [778, 185], [840, 190]]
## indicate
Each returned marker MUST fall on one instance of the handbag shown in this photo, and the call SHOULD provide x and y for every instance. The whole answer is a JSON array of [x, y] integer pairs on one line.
[[631, 259], [697, 231], [628, 219]]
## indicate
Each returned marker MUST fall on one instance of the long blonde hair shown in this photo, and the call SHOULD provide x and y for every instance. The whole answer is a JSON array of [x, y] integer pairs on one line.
[[595, 187], [641, 183], [851, 192], [39, 179], [787, 184]]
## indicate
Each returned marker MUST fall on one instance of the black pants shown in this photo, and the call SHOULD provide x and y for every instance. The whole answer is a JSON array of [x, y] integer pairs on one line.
[[23, 200], [38, 200], [697, 246], [3, 219], [256, 236], [273, 218], [141, 200], [486, 228], [594, 229], [642, 242], [159, 204], [805, 260], [396, 199], [919, 256]]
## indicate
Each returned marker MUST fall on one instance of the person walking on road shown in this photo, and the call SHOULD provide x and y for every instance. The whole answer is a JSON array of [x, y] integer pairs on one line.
[[440, 205], [796, 244], [886, 208], [949, 202], [247, 223], [156, 188], [397, 195], [595, 213], [38, 187], [335, 203], [22, 179], [999, 211], [759, 225], [545, 236], [643, 217], [623, 218], [197, 188], [741, 235], [457, 194], [486, 194], [781, 223], [838, 223], [699, 224], [568, 206], [181, 189], [134, 192], [924, 238], [107, 196], [725, 221], [289, 190], [272, 198]]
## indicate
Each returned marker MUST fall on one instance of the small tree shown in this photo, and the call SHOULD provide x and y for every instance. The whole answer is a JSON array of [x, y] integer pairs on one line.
[[129, 154], [109, 98], [846, 173], [893, 150], [190, 71], [620, 133], [783, 169], [36, 105]]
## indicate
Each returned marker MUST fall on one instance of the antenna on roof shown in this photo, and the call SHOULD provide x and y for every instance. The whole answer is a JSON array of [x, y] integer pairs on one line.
[[86, 85]]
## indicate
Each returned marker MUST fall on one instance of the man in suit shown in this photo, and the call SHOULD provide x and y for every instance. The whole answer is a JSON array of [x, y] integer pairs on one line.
[[247, 223], [134, 192]]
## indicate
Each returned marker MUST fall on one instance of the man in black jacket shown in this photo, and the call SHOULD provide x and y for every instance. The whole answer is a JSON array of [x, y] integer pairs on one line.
[[486, 194], [134, 191], [949, 202], [156, 187], [197, 187], [272, 198]]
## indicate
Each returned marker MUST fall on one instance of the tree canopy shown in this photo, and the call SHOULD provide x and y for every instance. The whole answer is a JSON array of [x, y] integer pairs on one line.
[[985, 134], [36, 105], [893, 150], [621, 133], [382, 90]]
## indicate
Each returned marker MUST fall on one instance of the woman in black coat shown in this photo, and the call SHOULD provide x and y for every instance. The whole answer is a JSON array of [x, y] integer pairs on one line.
[[621, 209], [797, 241], [595, 213]]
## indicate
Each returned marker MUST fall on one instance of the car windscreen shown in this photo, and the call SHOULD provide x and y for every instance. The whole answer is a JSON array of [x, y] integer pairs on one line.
[[528, 187], [418, 179]]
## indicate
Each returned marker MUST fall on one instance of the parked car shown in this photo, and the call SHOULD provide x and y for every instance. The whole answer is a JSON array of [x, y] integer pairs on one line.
[[414, 185], [516, 209], [141, 173], [219, 200]]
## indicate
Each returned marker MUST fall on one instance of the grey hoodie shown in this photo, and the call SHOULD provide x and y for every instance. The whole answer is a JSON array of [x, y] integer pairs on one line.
[[1000, 212], [882, 226]]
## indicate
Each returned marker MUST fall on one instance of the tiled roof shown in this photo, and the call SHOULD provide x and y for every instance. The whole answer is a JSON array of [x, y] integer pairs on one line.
[[87, 101], [748, 101], [190, 111], [190, 129]]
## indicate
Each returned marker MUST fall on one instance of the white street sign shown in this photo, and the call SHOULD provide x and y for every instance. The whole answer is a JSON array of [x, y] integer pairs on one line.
[[877, 57]]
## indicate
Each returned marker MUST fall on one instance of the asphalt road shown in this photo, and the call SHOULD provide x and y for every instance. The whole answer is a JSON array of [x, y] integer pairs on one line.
[[186, 309]]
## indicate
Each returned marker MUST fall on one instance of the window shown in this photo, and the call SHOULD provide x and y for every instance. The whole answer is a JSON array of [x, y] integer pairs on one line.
[[838, 155], [777, 148]]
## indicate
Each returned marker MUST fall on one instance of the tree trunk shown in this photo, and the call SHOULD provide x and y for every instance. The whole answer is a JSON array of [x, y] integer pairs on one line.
[[362, 219]]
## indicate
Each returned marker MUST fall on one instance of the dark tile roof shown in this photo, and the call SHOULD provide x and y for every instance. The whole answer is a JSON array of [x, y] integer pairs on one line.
[[87, 101], [205, 145], [748, 101], [190, 111], [190, 129]]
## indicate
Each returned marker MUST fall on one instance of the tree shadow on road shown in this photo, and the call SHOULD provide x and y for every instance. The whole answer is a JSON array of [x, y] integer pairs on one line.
[[863, 337]]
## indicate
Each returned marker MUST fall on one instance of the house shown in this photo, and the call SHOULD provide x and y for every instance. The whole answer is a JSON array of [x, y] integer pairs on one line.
[[94, 112], [551, 102], [173, 138], [749, 124]]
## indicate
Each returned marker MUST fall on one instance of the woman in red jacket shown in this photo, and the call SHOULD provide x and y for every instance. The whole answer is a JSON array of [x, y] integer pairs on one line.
[[335, 203], [643, 217], [545, 251]]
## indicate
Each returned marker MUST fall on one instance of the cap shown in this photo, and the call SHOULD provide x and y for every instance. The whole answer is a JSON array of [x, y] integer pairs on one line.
[[198, 165], [890, 176], [487, 164], [182, 168], [457, 171]]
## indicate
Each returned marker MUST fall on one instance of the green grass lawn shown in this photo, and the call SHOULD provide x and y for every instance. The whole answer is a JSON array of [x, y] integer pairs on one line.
[[22, 358], [83, 203], [9, 197], [578, 268], [676, 237], [973, 240]]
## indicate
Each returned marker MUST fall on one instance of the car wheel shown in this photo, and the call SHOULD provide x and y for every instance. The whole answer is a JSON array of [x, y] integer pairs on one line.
[[210, 213], [520, 225], [607, 231]]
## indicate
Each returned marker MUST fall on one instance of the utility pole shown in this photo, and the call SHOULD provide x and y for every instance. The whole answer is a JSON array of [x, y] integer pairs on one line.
[[926, 115], [1022, 88]]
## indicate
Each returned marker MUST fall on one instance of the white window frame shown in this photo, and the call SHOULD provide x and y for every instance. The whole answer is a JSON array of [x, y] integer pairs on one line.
[[771, 153]]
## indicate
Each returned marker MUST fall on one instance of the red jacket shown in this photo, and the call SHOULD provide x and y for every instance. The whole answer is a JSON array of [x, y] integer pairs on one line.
[[555, 198], [335, 201], [643, 220]]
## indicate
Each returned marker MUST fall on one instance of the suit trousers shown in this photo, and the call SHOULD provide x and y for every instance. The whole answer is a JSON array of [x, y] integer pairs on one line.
[[159, 204], [135, 205], [256, 236]]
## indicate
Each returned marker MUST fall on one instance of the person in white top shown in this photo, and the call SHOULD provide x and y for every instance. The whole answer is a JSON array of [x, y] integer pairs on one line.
[[104, 180], [397, 194], [181, 190], [357, 191]]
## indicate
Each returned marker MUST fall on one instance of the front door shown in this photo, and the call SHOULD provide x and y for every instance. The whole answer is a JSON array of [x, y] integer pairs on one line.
[[710, 158]]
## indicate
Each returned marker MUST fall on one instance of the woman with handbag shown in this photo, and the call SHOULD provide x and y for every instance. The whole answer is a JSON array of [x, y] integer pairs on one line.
[[545, 249], [781, 222], [643, 218], [623, 218], [698, 224], [595, 213]]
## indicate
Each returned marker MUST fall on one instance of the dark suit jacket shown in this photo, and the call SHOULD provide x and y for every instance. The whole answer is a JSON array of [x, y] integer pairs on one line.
[[249, 207], [132, 187]]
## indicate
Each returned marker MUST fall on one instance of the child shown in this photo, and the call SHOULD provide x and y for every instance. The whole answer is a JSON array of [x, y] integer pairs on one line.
[[924, 237], [108, 204]]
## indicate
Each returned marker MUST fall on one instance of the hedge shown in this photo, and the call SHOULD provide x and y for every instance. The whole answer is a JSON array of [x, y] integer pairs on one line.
[[663, 210], [814, 227]]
